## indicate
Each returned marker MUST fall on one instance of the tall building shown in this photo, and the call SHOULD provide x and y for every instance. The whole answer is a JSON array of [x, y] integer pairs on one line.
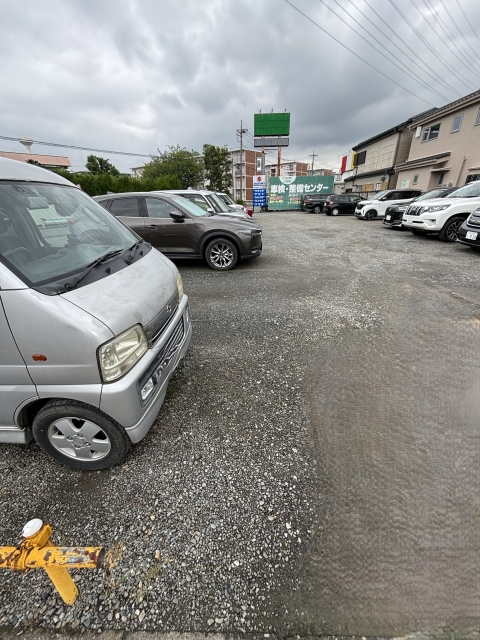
[[244, 167]]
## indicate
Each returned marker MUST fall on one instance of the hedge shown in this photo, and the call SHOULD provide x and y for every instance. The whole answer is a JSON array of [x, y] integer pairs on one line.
[[99, 184]]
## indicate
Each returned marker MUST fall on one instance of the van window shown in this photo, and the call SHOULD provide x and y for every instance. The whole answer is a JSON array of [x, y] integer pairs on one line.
[[48, 232]]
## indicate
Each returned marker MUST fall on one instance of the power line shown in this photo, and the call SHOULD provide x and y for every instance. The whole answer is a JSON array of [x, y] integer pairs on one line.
[[467, 84], [450, 37], [406, 72], [69, 146], [433, 75], [462, 35], [357, 56], [467, 20]]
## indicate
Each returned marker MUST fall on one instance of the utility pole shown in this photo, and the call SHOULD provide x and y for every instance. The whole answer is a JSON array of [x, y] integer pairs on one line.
[[240, 133], [312, 155]]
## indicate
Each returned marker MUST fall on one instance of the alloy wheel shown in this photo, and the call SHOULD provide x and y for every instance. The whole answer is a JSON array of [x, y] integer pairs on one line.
[[221, 255], [79, 438]]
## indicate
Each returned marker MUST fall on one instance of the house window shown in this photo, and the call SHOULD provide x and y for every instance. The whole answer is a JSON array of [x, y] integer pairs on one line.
[[273, 172], [441, 177], [431, 133], [404, 184], [378, 186], [457, 123], [415, 179], [359, 158], [472, 177]]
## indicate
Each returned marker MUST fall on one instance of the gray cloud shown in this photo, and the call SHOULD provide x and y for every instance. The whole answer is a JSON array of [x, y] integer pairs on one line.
[[135, 75]]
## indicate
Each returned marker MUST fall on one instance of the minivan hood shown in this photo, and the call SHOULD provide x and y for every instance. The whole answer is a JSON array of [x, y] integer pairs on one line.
[[134, 295]]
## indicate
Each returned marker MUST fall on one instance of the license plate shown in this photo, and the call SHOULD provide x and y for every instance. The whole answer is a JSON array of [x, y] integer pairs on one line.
[[472, 235], [406, 219], [389, 217]]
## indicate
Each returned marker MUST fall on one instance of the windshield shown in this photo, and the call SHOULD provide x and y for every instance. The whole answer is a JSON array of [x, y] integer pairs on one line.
[[217, 205], [50, 231], [377, 196], [471, 190], [190, 206], [435, 193], [226, 198]]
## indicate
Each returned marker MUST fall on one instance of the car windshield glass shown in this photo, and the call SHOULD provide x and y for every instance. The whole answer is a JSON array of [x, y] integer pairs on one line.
[[471, 190], [49, 231], [217, 205], [226, 198], [377, 196], [190, 206], [435, 193]]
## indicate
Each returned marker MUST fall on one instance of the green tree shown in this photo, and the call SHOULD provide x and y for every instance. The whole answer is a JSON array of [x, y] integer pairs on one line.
[[186, 165], [97, 165], [35, 162], [218, 167]]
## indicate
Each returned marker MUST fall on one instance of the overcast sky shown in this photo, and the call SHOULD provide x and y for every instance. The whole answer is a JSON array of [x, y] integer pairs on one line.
[[137, 75]]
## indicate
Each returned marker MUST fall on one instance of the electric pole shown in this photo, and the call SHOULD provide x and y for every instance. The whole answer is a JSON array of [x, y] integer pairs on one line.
[[312, 155], [240, 133]]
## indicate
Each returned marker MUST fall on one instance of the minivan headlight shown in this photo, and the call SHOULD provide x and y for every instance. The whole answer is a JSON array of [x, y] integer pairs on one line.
[[180, 287], [118, 356]]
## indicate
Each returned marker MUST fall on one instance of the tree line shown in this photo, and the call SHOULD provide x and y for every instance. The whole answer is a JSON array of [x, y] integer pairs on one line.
[[175, 168]]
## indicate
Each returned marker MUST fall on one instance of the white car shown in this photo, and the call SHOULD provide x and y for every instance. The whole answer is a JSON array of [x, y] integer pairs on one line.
[[443, 215], [376, 205]]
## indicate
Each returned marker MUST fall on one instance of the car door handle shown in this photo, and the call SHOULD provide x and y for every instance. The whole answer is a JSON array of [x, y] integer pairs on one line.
[[151, 226]]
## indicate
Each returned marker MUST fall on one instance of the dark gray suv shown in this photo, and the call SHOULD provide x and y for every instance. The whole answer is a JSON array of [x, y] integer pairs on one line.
[[180, 229]]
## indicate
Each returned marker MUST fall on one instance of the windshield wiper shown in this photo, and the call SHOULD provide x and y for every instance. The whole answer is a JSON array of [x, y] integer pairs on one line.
[[71, 285], [133, 248]]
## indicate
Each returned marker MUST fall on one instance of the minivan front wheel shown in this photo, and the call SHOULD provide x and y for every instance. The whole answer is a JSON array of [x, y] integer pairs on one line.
[[79, 435], [221, 254], [371, 214]]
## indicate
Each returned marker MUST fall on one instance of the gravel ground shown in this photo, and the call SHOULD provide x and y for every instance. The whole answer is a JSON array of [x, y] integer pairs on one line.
[[210, 517]]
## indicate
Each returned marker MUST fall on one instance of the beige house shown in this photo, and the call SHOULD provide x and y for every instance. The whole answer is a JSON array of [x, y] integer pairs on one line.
[[374, 160], [445, 147]]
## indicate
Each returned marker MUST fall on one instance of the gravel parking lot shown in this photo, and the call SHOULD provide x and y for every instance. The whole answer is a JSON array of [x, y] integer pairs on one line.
[[314, 469]]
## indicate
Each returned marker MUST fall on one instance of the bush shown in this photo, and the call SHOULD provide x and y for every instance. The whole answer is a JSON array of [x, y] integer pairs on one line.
[[99, 184]]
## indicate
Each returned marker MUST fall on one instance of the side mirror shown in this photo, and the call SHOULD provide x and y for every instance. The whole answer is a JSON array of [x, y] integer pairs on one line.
[[177, 216], [210, 210]]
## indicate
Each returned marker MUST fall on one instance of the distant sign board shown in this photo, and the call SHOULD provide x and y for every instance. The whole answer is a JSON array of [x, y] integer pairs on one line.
[[271, 124], [271, 141], [286, 192], [259, 191]]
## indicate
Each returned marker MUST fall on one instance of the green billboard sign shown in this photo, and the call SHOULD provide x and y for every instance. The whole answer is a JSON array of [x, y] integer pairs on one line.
[[286, 192], [271, 124]]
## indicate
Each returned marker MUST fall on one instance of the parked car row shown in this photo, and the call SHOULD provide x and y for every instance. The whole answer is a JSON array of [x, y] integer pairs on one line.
[[452, 213], [181, 225]]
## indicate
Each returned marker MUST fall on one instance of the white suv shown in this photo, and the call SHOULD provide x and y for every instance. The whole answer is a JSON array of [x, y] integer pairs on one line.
[[443, 215], [377, 204]]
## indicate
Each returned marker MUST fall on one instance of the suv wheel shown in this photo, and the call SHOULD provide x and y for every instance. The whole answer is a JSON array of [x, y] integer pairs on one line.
[[221, 254], [79, 436], [371, 214], [335, 211], [449, 233], [317, 209]]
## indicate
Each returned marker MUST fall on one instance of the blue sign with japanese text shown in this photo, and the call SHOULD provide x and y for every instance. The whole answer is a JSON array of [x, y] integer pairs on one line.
[[259, 197]]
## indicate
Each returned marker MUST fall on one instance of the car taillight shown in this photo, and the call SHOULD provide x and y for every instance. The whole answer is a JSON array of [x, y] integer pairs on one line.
[[329, 201], [308, 200]]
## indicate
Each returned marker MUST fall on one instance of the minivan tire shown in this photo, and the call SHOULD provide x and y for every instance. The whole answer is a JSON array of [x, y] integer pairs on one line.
[[317, 209], [221, 254], [335, 211], [449, 232], [85, 425], [371, 214]]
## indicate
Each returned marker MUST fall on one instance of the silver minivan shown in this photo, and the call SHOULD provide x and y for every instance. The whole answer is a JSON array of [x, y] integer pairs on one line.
[[93, 322]]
